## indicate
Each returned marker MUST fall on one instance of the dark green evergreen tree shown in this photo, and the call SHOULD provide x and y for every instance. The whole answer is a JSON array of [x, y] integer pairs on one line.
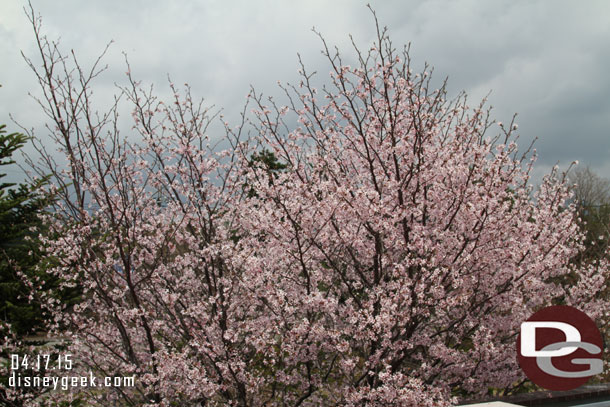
[[20, 253], [266, 160]]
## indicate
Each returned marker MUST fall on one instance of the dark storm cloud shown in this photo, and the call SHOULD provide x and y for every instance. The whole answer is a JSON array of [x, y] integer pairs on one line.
[[545, 60]]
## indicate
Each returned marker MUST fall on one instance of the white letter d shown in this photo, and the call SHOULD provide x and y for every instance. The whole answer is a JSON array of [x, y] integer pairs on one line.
[[528, 338]]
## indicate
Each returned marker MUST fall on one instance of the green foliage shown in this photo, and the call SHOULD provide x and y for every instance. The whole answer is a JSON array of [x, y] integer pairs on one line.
[[19, 247], [592, 200], [267, 161], [595, 221]]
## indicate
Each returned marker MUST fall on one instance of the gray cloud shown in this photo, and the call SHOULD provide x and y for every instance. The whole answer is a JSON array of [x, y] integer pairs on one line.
[[545, 60]]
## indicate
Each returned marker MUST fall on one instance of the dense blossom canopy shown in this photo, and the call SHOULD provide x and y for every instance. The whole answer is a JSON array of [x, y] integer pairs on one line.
[[386, 259]]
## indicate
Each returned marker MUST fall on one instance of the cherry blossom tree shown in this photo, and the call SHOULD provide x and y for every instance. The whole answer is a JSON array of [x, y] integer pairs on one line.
[[404, 246], [385, 254]]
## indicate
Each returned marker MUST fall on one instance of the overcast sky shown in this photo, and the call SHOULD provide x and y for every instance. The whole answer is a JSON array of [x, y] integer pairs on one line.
[[548, 61]]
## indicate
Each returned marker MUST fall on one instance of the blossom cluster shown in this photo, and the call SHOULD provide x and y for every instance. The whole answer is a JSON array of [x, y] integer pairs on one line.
[[387, 260]]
